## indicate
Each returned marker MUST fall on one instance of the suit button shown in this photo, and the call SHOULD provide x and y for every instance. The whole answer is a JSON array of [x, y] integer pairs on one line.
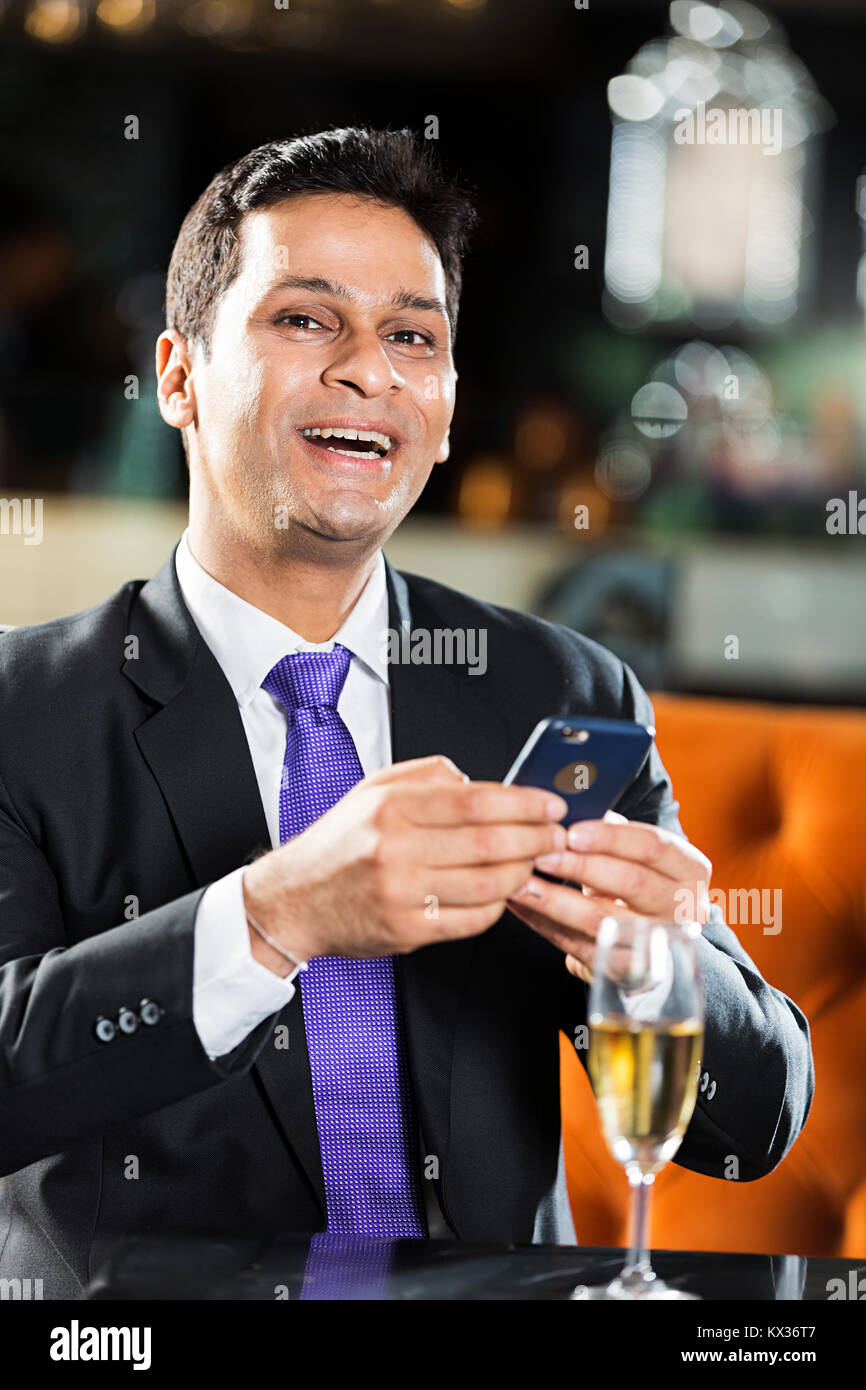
[[705, 1080], [149, 1012], [711, 1089], [104, 1029], [127, 1021]]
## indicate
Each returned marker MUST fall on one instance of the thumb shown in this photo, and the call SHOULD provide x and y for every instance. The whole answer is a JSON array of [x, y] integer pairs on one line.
[[578, 969]]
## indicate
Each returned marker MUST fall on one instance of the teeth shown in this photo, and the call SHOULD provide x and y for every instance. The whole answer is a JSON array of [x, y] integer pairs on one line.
[[368, 436], [351, 453]]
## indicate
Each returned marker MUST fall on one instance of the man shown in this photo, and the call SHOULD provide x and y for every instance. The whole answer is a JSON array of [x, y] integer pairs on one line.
[[275, 956]]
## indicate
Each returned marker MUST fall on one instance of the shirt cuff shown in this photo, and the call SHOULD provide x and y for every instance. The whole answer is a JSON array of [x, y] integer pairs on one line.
[[232, 992], [646, 1005]]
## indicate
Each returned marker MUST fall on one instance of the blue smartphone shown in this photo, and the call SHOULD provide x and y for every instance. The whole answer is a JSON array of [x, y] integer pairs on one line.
[[589, 762]]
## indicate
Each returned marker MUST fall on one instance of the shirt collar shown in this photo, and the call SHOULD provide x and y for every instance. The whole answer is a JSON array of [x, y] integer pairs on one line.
[[248, 642]]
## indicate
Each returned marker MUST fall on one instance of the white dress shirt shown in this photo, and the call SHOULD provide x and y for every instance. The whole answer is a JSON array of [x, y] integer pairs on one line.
[[232, 991]]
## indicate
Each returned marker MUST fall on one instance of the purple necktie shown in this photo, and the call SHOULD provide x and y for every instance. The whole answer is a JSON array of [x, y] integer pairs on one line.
[[361, 1088]]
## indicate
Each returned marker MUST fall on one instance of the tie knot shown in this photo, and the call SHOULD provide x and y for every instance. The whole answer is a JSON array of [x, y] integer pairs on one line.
[[309, 680]]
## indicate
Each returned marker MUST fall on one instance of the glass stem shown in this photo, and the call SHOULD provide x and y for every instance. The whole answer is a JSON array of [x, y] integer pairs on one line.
[[637, 1265]]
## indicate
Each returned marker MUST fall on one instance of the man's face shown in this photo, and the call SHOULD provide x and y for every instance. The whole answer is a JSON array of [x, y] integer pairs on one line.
[[336, 322]]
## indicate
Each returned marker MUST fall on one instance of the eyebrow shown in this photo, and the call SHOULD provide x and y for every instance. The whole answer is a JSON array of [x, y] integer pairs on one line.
[[319, 284]]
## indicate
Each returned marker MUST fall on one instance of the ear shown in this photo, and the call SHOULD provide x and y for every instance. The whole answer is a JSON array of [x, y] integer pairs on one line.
[[175, 391], [444, 448]]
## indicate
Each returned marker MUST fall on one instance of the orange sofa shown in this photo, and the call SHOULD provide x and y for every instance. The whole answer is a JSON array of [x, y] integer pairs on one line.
[[775, 796]]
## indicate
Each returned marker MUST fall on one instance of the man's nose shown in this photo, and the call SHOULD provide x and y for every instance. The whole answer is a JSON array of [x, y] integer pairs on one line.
[[362, 364]]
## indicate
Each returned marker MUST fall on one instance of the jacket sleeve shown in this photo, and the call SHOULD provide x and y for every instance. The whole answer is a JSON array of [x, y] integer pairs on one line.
[[58, 1081], [757, 1073]]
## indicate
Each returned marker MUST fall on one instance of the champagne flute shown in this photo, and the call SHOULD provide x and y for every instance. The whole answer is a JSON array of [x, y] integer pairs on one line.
[[644, 1064]]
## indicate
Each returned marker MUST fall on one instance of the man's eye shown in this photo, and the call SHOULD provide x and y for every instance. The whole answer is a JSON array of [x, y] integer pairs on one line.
[[302, 321], [410, 337]]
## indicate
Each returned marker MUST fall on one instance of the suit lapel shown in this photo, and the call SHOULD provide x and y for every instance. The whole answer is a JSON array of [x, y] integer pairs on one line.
[[194, 742], [438, 708]]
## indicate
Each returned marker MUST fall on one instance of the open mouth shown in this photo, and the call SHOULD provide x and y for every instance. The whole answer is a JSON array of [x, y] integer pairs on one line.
[[369, 445]]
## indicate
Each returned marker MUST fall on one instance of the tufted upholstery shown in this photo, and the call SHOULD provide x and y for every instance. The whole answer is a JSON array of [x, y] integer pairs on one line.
[[774, 796]]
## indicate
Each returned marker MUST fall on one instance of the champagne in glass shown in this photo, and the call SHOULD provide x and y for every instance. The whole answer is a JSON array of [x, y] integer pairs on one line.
[[645, 1079], [646, 1036]]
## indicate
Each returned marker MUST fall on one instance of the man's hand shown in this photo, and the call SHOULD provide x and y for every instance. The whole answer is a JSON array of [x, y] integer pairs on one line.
[[627, 870], [414, 854]]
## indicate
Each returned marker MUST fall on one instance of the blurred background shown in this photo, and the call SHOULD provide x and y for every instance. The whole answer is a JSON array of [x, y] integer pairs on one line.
[[661, 347], [660, 435]]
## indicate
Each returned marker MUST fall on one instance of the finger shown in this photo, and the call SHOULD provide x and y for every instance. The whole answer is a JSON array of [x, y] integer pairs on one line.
[[437, 767], [435, 923], [576, 967], [567, 912], [475, 887], [419, 888], [479, 803], [453, 846], [454, 923], [645, 890], [581, 946], [659, 849], [568, 941]]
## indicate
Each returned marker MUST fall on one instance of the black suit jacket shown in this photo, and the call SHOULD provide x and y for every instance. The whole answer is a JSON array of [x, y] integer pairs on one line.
[[126, 787]]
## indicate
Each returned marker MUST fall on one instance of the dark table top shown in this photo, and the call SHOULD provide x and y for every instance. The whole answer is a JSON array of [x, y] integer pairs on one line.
[[328, 1267]]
